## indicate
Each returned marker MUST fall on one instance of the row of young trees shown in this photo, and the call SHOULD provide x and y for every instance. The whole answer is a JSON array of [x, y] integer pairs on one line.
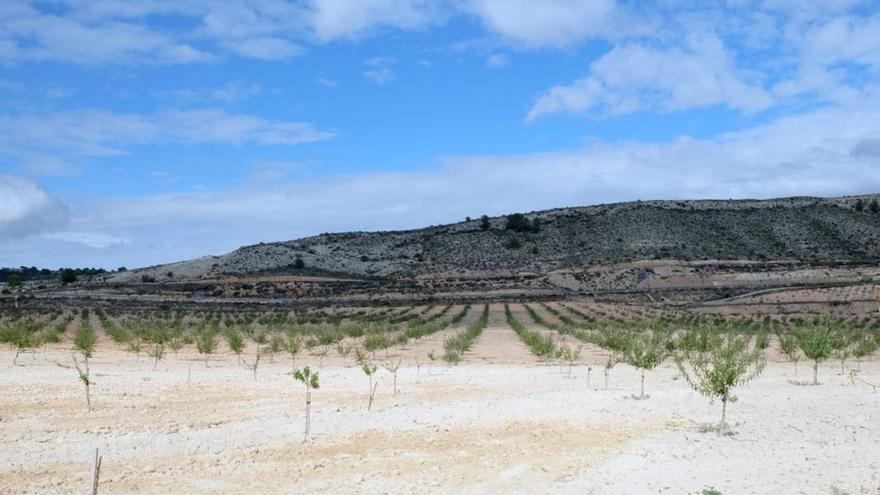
[[713, 356]]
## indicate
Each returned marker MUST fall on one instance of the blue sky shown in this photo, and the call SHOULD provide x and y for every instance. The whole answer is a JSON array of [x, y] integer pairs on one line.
[[135, 133]]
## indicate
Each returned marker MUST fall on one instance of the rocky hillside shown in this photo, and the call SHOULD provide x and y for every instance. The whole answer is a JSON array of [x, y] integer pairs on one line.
[[808, 230]]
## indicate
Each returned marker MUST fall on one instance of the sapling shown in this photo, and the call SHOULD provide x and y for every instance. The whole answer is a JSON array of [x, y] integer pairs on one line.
[[789, 346], [84, 340], [817, 344], [570, 355], [293, 346], [645, 351], [206, 342], [392, 368], [22, 335], [157, 352], [235, 342], [729, 362], [310, 380], [843, 343], [864, 348], [256, 364], [321, 355], [369, 370], [613, 359], [176, 344], [276, 344]]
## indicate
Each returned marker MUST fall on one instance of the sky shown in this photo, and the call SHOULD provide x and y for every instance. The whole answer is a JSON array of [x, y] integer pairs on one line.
[[138, 133]]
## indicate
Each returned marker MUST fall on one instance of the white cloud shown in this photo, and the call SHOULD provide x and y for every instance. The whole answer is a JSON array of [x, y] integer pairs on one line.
[[380, 70], [497, 61], [27, 34], [553, 23], [335, 19], [635, 77], [88, 239], [237, 91], [102, 133], [27, 208]]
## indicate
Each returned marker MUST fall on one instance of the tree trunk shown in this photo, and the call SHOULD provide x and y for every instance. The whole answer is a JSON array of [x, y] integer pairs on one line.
[[88, 397], [815, 372], [606, 378], [308, 410], [795, 368], [642, 393], [723, 425]]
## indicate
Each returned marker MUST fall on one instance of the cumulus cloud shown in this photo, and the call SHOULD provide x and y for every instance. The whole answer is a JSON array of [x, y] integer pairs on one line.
[[334, 19], [634, 77], [26, 208], [553, 23]]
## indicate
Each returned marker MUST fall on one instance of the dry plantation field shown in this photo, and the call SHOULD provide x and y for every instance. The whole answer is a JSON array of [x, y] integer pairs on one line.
[[557, 397]]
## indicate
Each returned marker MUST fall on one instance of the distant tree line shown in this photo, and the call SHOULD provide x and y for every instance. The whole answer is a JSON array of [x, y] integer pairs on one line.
[[65, 275]]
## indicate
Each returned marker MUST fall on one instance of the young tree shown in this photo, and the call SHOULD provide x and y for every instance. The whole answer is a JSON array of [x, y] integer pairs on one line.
[[730, 362], [84, 341], [235, 342], [206, 342], [865, 347], [392, 368], [369, 370], [310, 380], [571, 356], [645, 351], [293, 346], [22, 335], [789, 346], [817, 344]]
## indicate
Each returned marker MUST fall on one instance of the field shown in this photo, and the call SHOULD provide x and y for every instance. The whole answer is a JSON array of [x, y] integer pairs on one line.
[[489, 398]]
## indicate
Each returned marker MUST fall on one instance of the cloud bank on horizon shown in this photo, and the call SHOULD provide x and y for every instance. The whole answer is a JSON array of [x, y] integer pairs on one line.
[[135, 133]]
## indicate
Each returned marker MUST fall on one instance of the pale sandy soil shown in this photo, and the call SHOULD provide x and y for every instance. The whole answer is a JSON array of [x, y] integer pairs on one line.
[[501, 422]]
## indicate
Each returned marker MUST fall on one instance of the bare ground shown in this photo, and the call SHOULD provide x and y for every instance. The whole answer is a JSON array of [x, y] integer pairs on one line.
[[499, 422]]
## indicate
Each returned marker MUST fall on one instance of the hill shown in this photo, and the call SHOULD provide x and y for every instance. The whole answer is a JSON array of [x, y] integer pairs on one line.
[[800, 230]]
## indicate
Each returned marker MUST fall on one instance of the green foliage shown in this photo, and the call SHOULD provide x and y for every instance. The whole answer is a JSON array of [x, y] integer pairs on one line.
[[206, 342], [645, 350], [817, 342], [68, 276], [455, 347], [518, 222], [307, 377], [13, 281], [235, 342], [84, 340], [729, 362], [484, 222], [22, 335], [541, 346], [299, 264], [513, 243]]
